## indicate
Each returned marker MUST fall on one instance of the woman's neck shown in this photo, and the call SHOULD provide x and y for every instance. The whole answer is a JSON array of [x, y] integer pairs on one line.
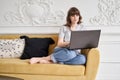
[[73, 26]]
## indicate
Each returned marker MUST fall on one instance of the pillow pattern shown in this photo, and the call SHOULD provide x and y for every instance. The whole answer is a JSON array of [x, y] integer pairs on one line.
[[11, 48], [36, 47]]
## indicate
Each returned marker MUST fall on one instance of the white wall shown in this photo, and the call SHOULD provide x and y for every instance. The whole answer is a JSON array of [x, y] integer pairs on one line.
[[46, 16]]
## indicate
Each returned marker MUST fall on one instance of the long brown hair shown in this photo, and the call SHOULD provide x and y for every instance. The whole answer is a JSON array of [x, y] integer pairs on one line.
[[72, 11]]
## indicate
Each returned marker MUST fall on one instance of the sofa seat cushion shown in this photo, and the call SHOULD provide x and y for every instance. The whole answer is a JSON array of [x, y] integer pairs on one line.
[[15, 66]]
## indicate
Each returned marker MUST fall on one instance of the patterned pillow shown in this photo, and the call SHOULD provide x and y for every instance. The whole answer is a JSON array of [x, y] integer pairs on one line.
[[11, 48]]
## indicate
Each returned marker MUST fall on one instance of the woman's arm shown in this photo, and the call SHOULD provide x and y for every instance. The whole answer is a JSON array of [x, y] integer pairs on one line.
[[61, 43]]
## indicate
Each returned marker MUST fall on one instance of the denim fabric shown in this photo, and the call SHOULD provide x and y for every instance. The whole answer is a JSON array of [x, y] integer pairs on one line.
[[66, 56], [79, 59]]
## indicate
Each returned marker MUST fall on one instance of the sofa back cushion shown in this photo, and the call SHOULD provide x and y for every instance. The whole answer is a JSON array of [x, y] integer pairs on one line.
[[54, 36], [11, 48], [36, 47]]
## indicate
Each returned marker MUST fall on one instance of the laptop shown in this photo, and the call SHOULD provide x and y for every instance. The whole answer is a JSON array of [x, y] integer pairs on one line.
[[84, 39]]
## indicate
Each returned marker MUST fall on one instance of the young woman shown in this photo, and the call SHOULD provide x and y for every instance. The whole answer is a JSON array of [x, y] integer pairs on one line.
[[61, 54]]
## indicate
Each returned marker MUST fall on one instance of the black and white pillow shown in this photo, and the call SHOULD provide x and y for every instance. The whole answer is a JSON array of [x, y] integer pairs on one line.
[[11, 48]]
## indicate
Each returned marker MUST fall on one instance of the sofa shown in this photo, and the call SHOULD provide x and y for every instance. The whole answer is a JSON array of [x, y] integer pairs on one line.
[[21, 68]]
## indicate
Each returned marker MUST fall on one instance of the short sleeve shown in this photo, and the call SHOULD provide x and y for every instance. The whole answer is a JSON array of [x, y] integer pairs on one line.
[[61, 32]]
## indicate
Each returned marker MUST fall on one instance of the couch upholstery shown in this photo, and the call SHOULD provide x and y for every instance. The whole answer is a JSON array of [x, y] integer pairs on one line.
[[16, 67]]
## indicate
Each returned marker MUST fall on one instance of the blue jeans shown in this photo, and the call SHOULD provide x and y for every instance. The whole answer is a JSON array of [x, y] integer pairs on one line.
[[66, 56]]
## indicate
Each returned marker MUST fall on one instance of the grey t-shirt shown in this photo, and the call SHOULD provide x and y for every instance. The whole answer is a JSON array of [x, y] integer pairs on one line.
[[65, 32]]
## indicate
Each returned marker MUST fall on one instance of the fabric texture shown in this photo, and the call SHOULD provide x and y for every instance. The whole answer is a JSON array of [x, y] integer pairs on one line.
[[18, 66], [65, 56], [65, 32], [36, 47], [11, 48]]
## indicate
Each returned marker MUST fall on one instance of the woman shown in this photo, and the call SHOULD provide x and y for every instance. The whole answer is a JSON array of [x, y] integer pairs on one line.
[[61, 54]]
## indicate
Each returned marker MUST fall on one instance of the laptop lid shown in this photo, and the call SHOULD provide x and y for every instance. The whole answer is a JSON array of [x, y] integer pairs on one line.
[[84, 39]]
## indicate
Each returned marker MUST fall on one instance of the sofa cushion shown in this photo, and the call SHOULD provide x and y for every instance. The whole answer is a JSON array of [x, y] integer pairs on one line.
[[36, 47], [11, 48], [23, 67]]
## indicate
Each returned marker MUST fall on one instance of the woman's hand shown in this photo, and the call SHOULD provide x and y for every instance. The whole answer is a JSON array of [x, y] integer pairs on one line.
[[67, 44], [62, 43]]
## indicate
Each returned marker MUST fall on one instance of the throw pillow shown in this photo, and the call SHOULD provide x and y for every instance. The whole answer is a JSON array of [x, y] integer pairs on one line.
[[11, 48], [36, 47]]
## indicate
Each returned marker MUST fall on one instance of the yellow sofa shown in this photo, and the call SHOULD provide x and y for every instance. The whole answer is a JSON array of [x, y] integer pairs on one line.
[[16, 67]]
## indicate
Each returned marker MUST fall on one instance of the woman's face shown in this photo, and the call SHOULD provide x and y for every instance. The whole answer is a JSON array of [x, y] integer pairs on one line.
[[74, 19]]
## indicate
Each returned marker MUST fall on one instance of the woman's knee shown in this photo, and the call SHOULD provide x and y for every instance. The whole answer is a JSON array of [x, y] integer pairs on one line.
[[64, 54], [78, 60], [82, 59]]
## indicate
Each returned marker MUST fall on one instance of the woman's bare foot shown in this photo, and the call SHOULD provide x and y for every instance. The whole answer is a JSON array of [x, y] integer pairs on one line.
[[34, 60], [43, 61]]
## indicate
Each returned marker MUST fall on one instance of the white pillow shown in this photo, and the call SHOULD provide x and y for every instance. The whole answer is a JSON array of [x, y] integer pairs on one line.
[[11, 48]]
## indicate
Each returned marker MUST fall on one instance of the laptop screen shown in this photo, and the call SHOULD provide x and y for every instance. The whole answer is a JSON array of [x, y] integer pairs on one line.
[[84, 39]]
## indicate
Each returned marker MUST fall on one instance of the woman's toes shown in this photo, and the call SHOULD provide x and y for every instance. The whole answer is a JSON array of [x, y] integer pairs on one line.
[[44, 62], [34, 60]]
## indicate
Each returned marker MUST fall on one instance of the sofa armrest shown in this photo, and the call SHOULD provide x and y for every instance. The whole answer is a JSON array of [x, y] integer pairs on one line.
[[93, 60]]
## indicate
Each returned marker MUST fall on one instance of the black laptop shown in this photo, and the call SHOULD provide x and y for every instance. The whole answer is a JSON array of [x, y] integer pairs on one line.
[[84, 39]]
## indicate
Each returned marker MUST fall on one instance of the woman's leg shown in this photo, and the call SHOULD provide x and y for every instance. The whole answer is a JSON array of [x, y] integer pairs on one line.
[[62, 55], [59, 55], [79, 59]]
